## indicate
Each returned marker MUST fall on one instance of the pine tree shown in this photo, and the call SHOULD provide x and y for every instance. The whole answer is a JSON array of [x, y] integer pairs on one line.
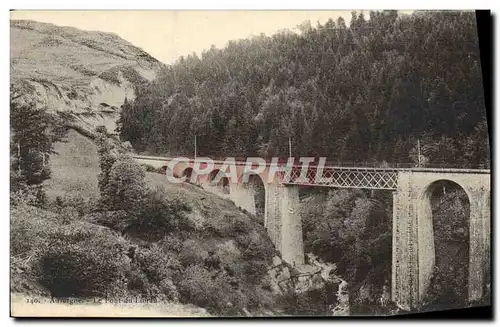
[[33, 133], [361, 89], [106, 161]]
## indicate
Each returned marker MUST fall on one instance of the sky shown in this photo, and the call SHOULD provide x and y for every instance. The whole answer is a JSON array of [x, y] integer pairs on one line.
[[166, 35]]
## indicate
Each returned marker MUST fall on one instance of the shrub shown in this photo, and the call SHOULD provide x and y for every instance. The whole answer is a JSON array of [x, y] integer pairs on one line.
[[138, 283], [154, 262], [29, 229], [192, 253], [255, 270], [137, 280], [171, 243], [117, 220], [227, 253], [258, 247], [68, 215], [82, 262], [239, 224], [196, 286], [101, 129], [311, 302], [106, 161], [168, 289], [126, 187], [151, 273], [22, 193], [75, 206], [149, 168], [211, 290], [159, 216], [110, 76]]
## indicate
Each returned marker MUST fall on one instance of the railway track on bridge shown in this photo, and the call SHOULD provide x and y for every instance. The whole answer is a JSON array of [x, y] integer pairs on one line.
[[328, 175]]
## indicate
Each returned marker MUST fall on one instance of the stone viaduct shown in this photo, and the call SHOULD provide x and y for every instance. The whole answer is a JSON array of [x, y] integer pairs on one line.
[[413, 253]]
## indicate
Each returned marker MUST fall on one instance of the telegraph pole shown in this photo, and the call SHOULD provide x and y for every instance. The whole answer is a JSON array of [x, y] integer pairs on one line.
[[19, 156], [289, 147], [195, 146], [418, 147]]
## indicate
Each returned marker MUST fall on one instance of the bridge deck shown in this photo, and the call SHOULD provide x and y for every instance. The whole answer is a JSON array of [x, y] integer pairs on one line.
[[375, 178], [395, 167]]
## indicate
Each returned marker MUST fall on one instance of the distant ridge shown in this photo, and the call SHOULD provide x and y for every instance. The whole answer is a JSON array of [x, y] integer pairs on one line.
[[86, 74]]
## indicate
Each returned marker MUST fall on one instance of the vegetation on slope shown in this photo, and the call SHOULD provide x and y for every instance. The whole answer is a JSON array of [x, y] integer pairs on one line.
[[85, 75], [81, 55], [352, 228], [163, 242], [364, 92], [104, 232]]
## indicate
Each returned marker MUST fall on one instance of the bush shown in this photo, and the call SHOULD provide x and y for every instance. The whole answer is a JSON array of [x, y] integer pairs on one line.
[[239, 224], [168, 289], [171, 243], [29, 229], [101, 129], [149, 168], [139, 284], [311, 302], [155, 263], [80, 259], [126, 187], [82, 262], [211, 290], [137, 280], [110, 76], [117, 220], [72, 207], [255, 270], [192, 253], [33, 195], [159, 216], [227, 253], [196, 286]]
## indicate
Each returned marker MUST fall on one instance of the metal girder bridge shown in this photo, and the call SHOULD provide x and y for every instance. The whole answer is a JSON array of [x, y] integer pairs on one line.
[[361, 177]]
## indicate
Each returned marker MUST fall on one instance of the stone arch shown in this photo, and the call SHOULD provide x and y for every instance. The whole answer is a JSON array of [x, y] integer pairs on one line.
[[218, 181], [255, 191], [163, 169], [431, 236], [187, 174]]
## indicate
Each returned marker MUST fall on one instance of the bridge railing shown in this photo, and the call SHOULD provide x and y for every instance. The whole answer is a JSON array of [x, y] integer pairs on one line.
[[350, 164]]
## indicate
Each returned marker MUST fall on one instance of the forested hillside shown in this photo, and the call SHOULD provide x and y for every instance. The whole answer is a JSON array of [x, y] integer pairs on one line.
[[364, 92]]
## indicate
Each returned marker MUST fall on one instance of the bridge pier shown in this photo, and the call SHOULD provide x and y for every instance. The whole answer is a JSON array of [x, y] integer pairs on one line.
[[404, 249], [243, 196], [479, 233], [413, 249], [283, 222]]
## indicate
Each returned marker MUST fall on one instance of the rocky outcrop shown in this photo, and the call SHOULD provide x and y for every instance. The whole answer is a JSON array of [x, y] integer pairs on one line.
[[85, 75], [313, 276]]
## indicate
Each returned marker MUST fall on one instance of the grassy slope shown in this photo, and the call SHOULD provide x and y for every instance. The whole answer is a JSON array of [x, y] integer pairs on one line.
[[220, 225], [74, 167], [74, 173], [69, 55], [87, 75]]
